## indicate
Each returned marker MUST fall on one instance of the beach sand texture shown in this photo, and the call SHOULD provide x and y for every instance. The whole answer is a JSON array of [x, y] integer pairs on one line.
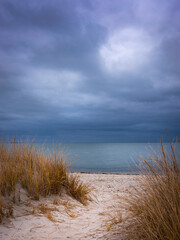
[[72, 220]]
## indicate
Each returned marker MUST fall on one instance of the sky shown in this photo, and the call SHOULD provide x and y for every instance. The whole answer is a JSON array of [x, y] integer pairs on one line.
[[90, 70]]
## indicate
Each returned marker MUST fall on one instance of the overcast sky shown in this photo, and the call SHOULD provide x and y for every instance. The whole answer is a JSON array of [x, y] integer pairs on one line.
[[90, 70]]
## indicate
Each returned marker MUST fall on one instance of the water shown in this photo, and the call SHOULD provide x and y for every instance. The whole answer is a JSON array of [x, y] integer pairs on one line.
[[119, 158]]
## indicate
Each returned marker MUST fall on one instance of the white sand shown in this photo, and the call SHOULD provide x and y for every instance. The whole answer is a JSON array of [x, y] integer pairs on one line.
[[73, 220]]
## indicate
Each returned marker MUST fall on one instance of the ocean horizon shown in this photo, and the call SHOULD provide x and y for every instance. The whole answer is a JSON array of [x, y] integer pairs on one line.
[[115, 158]]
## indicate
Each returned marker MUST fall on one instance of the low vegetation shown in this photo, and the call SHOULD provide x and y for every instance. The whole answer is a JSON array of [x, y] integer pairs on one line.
[[24, 166], [154, 207]]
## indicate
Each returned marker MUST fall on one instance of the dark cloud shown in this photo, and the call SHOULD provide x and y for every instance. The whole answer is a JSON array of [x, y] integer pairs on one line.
[[90, 70]]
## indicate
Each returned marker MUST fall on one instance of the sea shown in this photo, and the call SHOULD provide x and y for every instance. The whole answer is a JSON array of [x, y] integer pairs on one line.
[[115, 158]]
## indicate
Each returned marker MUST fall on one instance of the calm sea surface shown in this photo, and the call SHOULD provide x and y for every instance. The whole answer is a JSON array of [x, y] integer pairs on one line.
[[105, 157]]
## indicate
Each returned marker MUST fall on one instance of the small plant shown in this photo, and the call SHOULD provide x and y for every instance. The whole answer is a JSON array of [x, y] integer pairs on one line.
[[155, 205], [78, 189]]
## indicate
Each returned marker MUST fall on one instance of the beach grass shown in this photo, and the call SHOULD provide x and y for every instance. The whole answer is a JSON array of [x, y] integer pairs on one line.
[[25, 166], [154, 206]]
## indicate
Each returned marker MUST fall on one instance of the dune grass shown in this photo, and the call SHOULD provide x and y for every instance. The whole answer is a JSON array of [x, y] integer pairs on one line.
[[154, 207], [23, 165]]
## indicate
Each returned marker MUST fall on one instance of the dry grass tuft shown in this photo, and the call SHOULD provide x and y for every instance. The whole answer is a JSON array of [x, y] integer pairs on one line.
[[23, 165], [78, 189], [155, 206], [114, 219]]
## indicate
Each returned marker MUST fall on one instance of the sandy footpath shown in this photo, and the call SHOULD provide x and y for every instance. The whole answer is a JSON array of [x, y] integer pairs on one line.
[[71, 220]]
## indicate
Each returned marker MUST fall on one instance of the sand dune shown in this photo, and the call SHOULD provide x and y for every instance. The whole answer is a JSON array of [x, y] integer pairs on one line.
[[65, 218]]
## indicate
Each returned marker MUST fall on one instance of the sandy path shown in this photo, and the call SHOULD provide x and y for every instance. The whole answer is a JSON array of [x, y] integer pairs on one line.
[[73, 220]]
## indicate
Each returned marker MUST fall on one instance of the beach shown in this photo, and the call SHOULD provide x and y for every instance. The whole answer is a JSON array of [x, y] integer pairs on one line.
[[62, 217]]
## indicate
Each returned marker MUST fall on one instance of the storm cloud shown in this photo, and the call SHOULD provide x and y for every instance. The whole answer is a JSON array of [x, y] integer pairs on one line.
[[90, 70]]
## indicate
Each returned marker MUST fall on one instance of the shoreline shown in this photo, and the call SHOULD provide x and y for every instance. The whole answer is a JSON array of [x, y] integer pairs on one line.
[[109, 173]]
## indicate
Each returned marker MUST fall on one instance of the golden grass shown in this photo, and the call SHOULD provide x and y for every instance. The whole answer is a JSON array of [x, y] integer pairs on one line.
[[23, 165], [71, 214], [45, 210], [154, 207], [114, 218], [78, 189]]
